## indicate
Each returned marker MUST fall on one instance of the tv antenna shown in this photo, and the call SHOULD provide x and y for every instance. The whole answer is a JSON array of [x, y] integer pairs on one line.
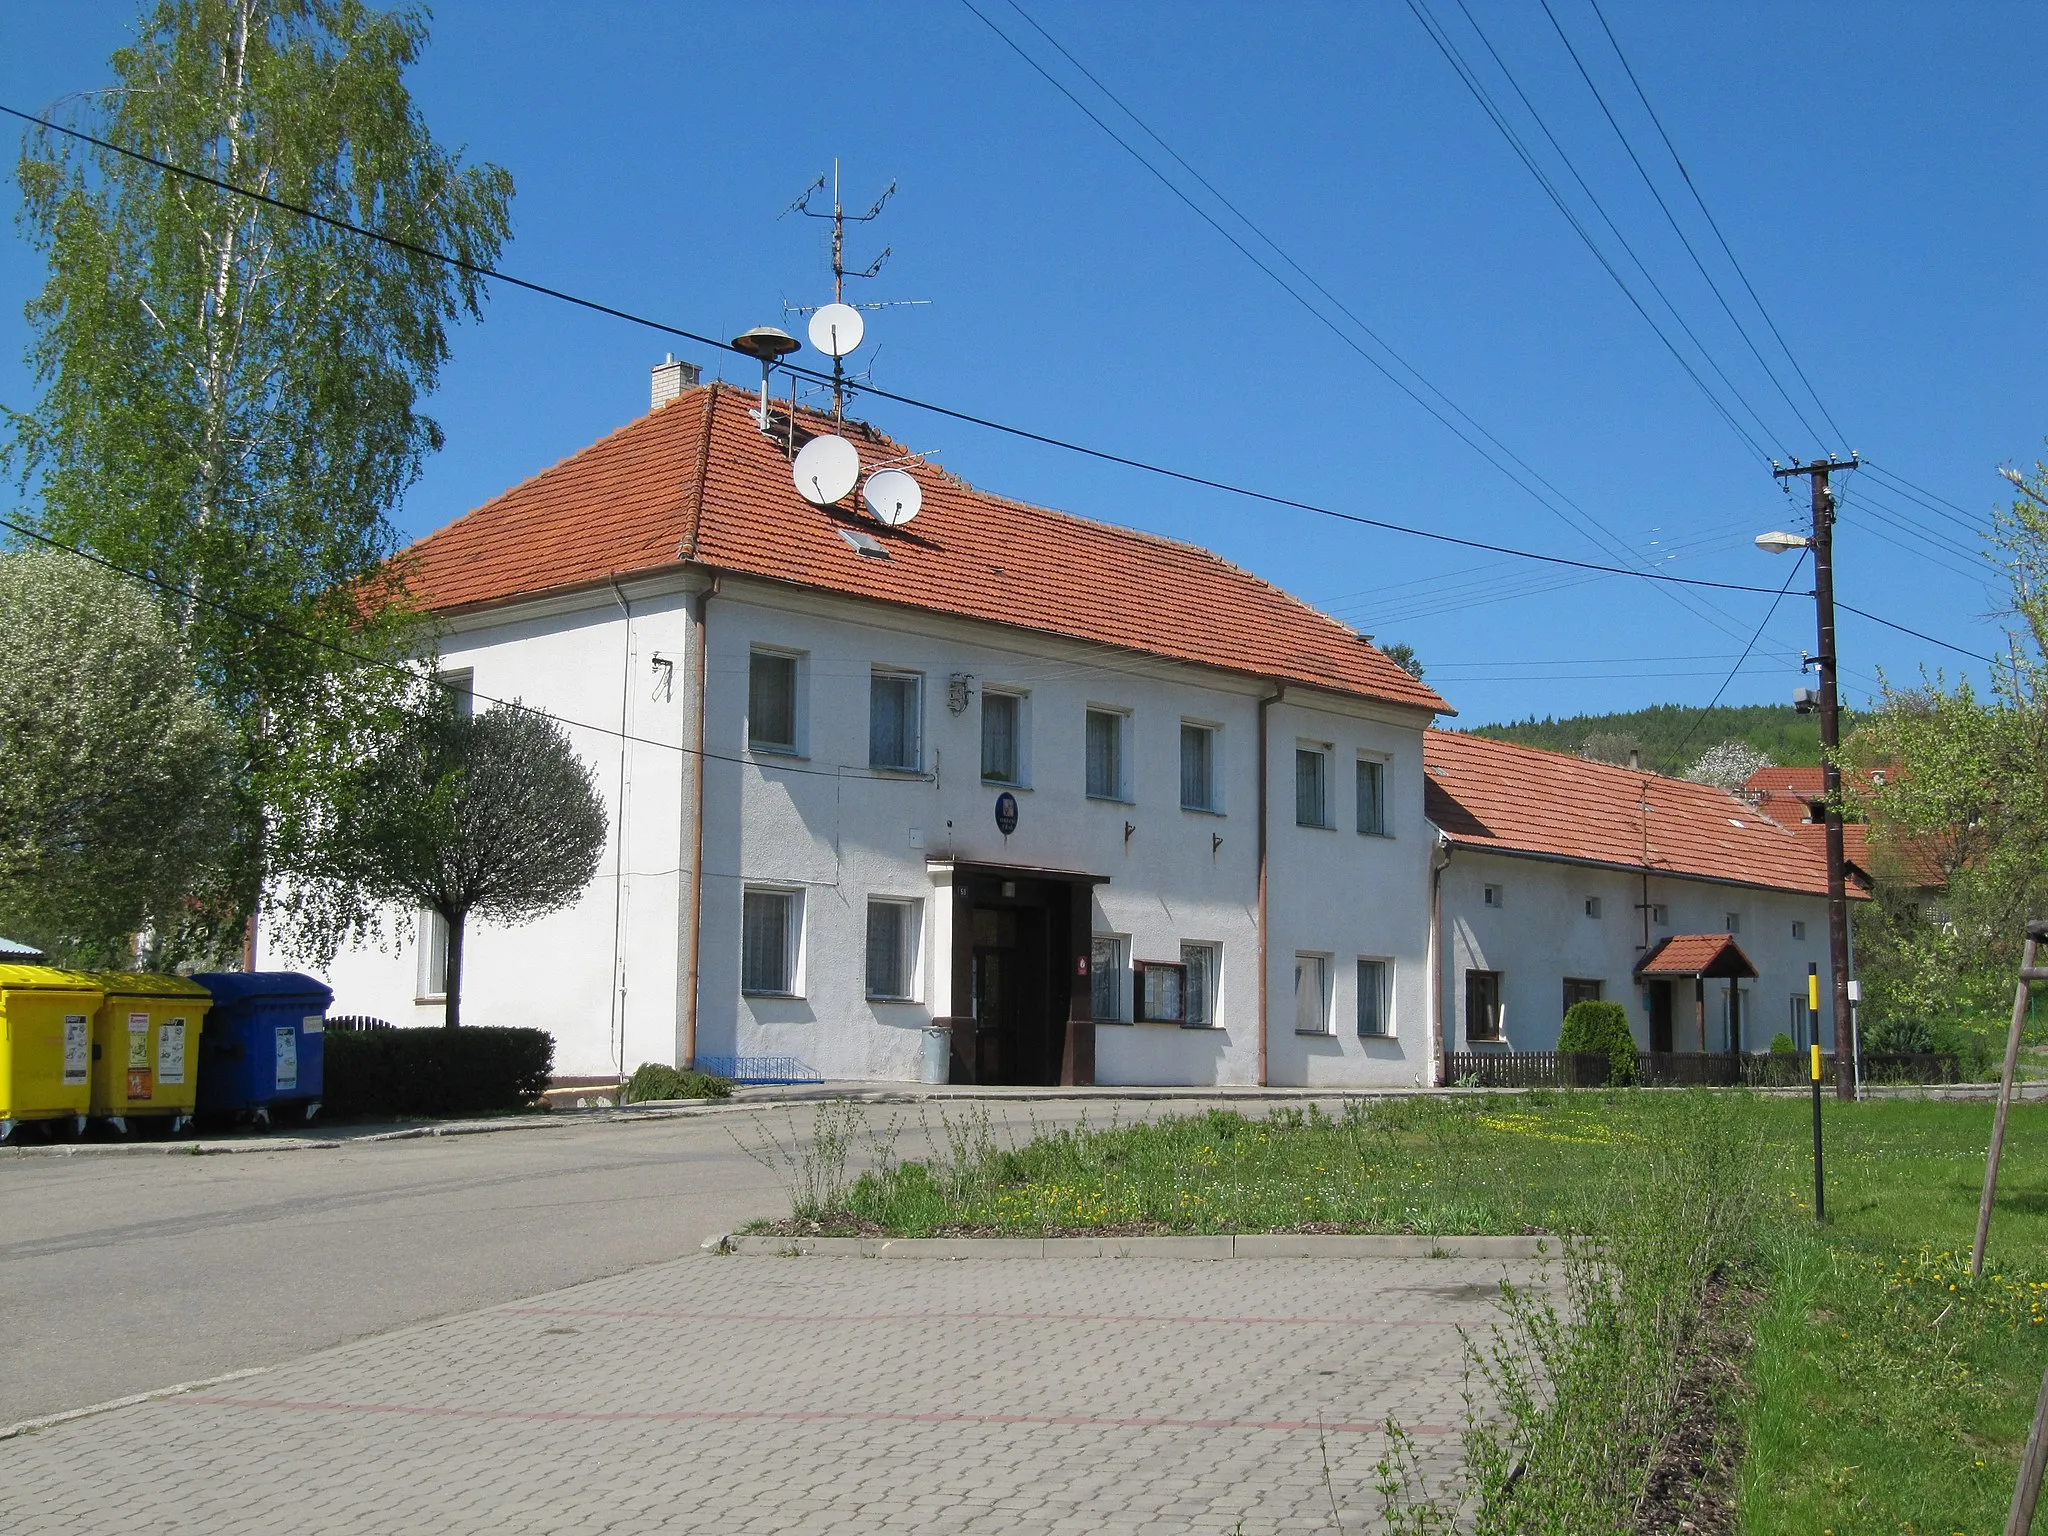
[[836, 329]]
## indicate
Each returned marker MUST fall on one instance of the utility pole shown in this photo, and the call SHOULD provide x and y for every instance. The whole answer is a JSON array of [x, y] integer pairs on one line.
[[1822, 545]]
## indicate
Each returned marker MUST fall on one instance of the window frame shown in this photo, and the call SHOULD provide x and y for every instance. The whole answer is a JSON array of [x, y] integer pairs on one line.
[[1020, 764], [1592, 908], [1319, 962], [1575, 991], [1660, 914], [795, 659], [792, 940], [1734, 921], [430, 930], [1799, 930], [1385, 991], [1493, 896], [909, 949], [1121, 767], [1319, 752], [1210, 966], [1212, 735], [1119, 945], [1496, 983], [1141, 1009], [1382, 764], [901, 676]]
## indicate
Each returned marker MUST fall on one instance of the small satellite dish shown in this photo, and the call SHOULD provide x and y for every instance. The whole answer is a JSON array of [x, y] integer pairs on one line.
[[826, 470], [893, 496], [836, 329]]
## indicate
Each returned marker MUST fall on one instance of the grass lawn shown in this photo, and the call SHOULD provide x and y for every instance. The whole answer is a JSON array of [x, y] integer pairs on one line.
[[1889, 1393]]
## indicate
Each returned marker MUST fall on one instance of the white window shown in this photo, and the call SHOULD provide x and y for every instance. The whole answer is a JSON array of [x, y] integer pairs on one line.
[[1204, 964], [432, 985], [1734, 922], [1660, 914], [1375, 997], [1311, 994], [1484, 1016], [892, 948], [460, 686], [1106, 978], [1491, 896], [1106, 776], [894, 720], [1798, 929], [771, 925], [1159, 992], [1592, 906], [1002, 737], [1198, 767], [771, 702], [1311, 786], [1372, 797]]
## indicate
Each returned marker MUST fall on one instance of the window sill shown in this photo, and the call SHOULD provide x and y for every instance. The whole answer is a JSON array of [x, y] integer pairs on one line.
[[1315, 826], [779, 997], [1385, 837], [1111, 800], [1003, 783], [1317, 1034], [1169, 1023], [1377, 1034], [874, 997], [1120, 1023], [1203, 810], [1214, 1029], [895, 771], [791, 753], [435, 1001]]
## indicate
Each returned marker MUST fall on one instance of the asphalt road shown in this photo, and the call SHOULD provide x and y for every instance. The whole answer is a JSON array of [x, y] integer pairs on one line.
[[126, 1274]]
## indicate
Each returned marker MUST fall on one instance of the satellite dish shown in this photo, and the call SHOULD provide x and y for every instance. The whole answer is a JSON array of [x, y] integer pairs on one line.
[[825, 470], [837, 329], [893, 496]]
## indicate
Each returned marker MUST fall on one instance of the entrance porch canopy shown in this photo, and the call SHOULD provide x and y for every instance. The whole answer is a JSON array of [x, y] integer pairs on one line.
[[1697, 954]]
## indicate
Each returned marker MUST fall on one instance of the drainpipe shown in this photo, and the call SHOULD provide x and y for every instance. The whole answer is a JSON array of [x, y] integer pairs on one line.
[[1439, 860], [1265, 977], [694, 703], [619, 858]]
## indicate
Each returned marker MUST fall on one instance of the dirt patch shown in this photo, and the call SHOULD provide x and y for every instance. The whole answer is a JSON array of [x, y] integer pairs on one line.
[[1691, 1491]]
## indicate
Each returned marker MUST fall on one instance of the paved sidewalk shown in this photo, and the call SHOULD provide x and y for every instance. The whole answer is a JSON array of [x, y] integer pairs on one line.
[[821, 1394]]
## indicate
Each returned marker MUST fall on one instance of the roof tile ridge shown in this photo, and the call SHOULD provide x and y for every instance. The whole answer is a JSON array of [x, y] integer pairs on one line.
[[1622, 769], [706, 423]]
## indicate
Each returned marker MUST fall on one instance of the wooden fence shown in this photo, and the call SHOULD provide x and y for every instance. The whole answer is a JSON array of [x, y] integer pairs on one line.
[[1688, 1069]]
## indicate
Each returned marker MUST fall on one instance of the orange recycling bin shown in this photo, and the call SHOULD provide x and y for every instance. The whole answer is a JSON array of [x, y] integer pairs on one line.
[[45, 1045], [145, 1048]]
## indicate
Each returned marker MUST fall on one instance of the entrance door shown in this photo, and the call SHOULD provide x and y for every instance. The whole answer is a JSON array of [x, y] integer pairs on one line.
[[1660, 1016], [1017, 1040]]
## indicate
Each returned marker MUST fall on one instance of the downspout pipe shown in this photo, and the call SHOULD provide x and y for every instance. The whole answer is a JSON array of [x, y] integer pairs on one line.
[[1439, 861], [694, 945], [1266, 702], [621, 823]]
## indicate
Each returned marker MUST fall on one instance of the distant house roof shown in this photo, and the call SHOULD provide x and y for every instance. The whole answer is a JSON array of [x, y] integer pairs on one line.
[[1697, 954], [697, 482], [1503, 798], [1787, 795], [15, 953]]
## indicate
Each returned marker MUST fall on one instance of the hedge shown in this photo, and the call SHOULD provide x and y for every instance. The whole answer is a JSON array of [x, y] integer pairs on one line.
[[1602, 1028], [436, 1071], [657, 1081]]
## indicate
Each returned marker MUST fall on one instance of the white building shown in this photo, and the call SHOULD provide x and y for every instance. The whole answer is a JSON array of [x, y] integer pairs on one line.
[[1562, 879], [805, 725]]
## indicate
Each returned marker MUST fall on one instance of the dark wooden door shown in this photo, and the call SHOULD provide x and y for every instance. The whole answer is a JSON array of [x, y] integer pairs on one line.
[[1660, 1016]]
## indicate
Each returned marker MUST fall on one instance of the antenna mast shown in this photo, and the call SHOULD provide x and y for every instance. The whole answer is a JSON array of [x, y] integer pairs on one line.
[[840, 218]]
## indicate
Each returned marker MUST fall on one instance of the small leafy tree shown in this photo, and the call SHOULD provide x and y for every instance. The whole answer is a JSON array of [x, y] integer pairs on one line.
[[492, 815], [1402, 655], [1727, 766], [1601, 1028], [113, 806]]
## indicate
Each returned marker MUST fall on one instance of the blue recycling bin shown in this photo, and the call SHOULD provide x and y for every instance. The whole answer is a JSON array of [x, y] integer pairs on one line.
[[264, 1045]]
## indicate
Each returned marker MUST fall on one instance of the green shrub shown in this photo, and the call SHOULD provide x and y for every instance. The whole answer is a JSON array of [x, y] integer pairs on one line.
[[1601, 1029], [1781, 1045], [657, 1080], [435, 1071], [1898, 1037]]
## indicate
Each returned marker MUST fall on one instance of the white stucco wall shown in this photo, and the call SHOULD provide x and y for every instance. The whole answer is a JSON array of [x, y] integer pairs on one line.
[[1540, 935]]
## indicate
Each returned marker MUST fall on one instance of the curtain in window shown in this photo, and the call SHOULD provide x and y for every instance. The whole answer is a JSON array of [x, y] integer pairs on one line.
[[888, 922], [1311, 993], [1309, 800], [1372, 800], [999, 737], [1197, 763], [1372, 997], [1200, 959], [1105, 755], [892, 721], [1105, 975], [771, 701], [764, 941]]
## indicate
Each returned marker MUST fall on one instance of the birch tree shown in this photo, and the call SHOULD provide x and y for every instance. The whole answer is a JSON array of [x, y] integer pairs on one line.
[[229, 392]]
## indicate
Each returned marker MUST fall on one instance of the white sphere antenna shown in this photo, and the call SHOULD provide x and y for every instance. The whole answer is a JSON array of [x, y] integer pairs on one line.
[[836, 329], [893, 496], [825, 470]]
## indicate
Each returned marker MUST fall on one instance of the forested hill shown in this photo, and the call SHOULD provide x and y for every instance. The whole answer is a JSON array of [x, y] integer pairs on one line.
[[1787, 738]]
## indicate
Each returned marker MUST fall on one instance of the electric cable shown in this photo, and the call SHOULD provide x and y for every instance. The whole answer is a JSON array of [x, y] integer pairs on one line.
[[1940, 506], [1769, 614]]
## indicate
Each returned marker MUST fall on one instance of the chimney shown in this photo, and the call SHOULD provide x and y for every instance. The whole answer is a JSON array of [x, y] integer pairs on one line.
[[1635, 758], [671, 378]]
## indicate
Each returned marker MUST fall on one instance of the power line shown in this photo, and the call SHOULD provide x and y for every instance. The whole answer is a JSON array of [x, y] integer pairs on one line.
[[1101, 455], [1916, 634], [1769, 614], [1940, 506], [1714, 224]]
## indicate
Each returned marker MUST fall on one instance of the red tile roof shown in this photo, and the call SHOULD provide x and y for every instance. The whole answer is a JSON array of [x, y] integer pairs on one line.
[[696, 482], [1498, 796], [1785, 794], [1696, 954]]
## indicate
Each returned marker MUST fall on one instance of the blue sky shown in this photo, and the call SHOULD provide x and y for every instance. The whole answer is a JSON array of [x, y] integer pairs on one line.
[[1872, 166]]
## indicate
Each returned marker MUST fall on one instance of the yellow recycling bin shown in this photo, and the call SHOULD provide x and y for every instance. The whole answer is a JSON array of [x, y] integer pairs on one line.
[[45, 1044], [145, 1048]]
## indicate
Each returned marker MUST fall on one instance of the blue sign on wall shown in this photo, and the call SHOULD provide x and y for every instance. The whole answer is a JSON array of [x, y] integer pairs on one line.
[[1006, 813]]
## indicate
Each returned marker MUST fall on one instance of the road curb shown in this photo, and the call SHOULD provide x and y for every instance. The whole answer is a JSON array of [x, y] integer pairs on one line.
[[172, 1148], [51, 1420], [1243, 1245]]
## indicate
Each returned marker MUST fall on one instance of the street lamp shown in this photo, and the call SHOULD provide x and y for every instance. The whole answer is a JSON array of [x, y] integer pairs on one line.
[[1822, 544]]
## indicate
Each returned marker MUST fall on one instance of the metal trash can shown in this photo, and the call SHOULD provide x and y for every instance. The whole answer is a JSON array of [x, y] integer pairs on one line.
[[938, 1053], [45, 1045], [265, 1048], [145, 1048]]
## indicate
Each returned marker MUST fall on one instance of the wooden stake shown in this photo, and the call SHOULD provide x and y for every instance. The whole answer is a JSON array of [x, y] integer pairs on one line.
[[2035, 933], [2027, 1491]]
